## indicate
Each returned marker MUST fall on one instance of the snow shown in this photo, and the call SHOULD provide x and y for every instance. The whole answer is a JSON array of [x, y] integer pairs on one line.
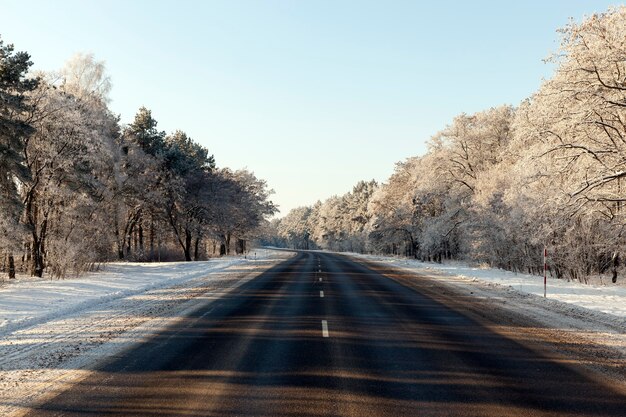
[[607, 298], [25, 302], [586, 323], [53, 331]]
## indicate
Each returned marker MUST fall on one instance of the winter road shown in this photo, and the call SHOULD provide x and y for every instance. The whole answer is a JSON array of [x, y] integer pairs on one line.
[[322, 335]]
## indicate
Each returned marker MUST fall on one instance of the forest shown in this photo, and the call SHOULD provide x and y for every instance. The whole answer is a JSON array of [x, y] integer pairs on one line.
[[78, 187], [498, 186]]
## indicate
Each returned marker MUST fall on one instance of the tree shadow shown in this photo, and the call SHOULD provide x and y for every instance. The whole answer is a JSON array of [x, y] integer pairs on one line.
[[260, 351]]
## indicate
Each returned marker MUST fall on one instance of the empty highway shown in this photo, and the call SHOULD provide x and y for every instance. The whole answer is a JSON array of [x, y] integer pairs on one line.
[[324, 335]]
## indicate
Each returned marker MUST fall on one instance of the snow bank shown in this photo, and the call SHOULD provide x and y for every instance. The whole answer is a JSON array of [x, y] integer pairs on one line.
[[25, 302], [53, 331], [608, 298]]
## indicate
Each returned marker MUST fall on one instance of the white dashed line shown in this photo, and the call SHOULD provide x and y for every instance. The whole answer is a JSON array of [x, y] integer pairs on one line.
[[320, 279], [321, 294], [324, 328]]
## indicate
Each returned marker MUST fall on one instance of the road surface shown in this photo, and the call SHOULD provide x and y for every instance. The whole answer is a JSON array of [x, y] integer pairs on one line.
[[323, 335]]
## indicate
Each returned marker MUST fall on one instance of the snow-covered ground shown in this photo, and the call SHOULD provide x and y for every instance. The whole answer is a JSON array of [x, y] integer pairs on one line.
[[585, 323], [25, 302], [53, 331], [609, 298]]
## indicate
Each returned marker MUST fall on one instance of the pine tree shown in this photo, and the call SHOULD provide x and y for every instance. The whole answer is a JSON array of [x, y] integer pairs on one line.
[[14, 131], [143, 131]]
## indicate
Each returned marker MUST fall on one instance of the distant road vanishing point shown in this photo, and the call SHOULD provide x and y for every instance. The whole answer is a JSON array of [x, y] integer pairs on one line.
[[324, 335]]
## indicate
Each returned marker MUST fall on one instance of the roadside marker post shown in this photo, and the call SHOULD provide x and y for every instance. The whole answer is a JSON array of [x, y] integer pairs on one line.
[[545, 269]]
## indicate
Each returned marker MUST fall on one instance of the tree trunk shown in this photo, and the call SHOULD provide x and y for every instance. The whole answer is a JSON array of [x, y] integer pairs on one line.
[[141, 239], [239, 246], [196, 245], [37, 264], [118, 243], [228, 243], [159, 247], [151, 238], [11, 267], [38, 250], [187, 247], [128, 244], [32, 215]]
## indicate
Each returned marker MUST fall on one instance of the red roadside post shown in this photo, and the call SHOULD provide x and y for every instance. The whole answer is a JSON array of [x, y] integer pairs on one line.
[[545, 269]]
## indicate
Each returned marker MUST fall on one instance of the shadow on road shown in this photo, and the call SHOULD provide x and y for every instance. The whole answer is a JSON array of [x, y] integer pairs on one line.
[[392, 351]]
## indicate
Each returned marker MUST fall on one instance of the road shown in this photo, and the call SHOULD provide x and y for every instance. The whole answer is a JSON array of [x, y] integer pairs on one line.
[[323, 335]]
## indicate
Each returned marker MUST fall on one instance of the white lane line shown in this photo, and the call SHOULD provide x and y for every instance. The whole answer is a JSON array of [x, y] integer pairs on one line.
[[320, 279], [320, 270], [324, 328], [321, 294]]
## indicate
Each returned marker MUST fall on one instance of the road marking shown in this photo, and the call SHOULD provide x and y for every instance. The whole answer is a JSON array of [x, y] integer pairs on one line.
[[324, 328], [321, 294], [320, 279]]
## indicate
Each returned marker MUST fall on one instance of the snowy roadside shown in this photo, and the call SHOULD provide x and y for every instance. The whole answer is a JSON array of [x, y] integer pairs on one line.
[[610, 298], [586, 321], [52, 332]]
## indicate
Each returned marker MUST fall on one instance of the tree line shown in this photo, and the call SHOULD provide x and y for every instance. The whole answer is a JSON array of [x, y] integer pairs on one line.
[[499, 186], [77, 187]]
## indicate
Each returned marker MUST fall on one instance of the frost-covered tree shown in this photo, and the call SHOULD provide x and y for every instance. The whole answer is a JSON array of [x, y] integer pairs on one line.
[[239, 206], [187, 164], [253, 207], [574, 129], [85, 78], [296, 228], [140, 182], [143, 132], [66, 159], [358, 215], [14, 132], [394, 226], [497, 186], [76, 188]]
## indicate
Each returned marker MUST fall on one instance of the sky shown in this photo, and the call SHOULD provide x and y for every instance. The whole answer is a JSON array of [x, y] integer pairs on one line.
[[311, 96]]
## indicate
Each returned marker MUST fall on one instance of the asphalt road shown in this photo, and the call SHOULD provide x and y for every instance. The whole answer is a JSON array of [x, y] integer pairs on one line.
[[321, 335]]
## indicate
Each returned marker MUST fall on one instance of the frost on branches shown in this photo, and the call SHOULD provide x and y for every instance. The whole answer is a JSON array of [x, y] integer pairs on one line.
[[498, 186], [78, 188]]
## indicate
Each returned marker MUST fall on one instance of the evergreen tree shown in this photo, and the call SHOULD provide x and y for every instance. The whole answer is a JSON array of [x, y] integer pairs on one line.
[[143, 131], [14, 131]]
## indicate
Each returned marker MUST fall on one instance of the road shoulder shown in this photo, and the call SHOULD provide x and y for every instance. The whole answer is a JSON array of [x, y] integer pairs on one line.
[[43, 359], [592, 342]]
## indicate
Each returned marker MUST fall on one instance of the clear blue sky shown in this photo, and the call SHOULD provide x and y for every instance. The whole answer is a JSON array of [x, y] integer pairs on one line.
[[310, 95]]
